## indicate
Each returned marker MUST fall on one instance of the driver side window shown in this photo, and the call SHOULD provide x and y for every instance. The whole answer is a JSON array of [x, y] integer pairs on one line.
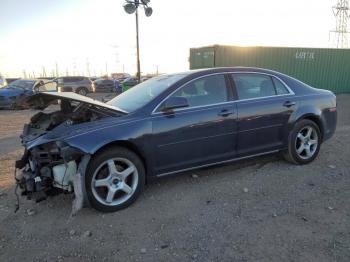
[[204, 91]]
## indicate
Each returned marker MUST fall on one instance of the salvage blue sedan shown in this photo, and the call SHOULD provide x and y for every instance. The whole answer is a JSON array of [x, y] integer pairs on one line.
[[105, 153], [12, 95]]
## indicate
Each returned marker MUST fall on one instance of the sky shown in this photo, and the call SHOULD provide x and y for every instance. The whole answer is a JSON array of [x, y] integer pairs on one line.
[[96, 36]]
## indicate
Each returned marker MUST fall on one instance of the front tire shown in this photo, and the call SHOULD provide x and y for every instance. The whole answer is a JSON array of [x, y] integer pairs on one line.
[[114, 179], [304, 143]]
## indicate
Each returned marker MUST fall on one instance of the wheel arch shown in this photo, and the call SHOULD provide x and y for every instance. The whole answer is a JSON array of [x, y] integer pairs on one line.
[[82, 87], [128, 145], [314, 118]]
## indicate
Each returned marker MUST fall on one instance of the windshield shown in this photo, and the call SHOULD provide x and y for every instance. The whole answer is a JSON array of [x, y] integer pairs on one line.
[[23, 84], [141, 94]]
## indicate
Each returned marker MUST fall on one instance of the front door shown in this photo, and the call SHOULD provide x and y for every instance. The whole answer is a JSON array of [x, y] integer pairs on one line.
[[200, 134]]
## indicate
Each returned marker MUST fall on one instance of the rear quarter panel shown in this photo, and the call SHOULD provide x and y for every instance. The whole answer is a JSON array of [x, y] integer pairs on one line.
[[318, 106]]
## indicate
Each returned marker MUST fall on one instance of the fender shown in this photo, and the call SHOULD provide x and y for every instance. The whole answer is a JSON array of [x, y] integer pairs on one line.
[[129, 133]]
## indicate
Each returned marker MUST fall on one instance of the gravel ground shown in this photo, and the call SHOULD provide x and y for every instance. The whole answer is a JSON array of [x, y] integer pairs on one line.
[[262, 209]]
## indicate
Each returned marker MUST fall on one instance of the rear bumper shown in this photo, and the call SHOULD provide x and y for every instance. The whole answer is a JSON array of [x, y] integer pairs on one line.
[[329, 119]]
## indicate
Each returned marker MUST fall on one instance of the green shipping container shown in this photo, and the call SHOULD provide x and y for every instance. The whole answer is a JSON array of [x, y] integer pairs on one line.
[[319, 67]]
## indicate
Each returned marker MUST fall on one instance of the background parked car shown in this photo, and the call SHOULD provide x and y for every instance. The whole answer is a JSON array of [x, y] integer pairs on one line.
[[78, 84], [11, 96], [2, 81], [11, 79], [105, 85], [129, 82]]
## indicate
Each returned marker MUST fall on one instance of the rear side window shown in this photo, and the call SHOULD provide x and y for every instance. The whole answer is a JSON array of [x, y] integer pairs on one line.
[[60, 81], [250, 86], [280, 88], [204, 91]]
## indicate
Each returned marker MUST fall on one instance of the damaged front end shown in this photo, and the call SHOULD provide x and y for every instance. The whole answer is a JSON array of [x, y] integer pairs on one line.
[[50, 165], [48, 169]]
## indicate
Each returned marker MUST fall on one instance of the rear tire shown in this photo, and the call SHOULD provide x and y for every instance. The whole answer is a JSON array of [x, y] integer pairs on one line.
[[304, 143], [114, 179]]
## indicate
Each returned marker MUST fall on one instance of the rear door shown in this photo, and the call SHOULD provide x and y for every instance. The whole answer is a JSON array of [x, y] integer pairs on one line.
[[69, 84], [202, 133], [264, 106]]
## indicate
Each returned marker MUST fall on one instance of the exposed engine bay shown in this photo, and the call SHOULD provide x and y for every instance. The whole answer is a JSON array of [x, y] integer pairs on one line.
[[51, 168], [41, 122]]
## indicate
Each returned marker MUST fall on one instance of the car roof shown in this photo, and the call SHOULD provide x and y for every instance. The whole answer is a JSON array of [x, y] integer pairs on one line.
[[230, 69]]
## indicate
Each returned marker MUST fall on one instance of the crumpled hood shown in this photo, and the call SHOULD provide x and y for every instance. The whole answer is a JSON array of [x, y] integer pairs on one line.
[[64, 132], [10, 92], [67, 129], [43, 99]]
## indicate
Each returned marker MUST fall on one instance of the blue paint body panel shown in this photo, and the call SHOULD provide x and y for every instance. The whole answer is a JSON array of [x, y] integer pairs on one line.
[[201, 136]]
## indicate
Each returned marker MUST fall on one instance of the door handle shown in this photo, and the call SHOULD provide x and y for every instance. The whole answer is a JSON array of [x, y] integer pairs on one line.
[[225, 112], [289, 104]]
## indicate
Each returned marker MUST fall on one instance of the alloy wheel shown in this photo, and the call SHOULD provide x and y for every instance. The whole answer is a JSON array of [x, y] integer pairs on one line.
[[306, 142], [82, 92], [114, 181]]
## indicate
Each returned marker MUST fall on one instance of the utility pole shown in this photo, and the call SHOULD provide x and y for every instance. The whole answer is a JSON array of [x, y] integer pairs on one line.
[[88, 67], [74, 66], [57, 69], [44, 72], [138, 47], [116, 53]]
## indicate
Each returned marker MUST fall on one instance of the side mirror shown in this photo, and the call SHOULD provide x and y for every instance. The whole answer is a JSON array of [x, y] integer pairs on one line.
[[175, 102]]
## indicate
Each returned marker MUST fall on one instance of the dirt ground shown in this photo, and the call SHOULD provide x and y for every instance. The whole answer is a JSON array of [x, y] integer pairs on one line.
[[262, 209]]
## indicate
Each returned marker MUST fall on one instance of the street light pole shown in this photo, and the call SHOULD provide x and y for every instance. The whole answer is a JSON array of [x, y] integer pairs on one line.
[[131, 6], [138, 47]]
